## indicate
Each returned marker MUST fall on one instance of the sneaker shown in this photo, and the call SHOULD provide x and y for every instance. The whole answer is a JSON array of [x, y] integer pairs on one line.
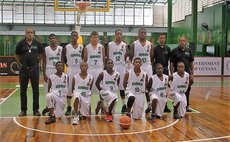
[[36, 113], [176, 115], [152, 117], [167, 109], [188, 109], [75, 119], [50, 120], [22, 113], [68, 111], [147, 110], [97, 109], [128, 114], [44, 111], [109, 118], [123, 110]]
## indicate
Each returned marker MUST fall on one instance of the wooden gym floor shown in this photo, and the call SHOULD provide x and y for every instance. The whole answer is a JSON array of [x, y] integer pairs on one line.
[[210, 97]]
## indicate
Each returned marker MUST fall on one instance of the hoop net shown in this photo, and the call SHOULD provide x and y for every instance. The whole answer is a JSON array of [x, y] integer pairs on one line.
[[82, 8]]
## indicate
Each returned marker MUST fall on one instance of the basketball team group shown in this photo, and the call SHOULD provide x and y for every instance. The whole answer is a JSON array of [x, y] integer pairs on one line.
[[142, 71]]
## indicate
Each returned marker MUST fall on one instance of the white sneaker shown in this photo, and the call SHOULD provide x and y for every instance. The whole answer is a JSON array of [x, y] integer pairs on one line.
[[75, 119]]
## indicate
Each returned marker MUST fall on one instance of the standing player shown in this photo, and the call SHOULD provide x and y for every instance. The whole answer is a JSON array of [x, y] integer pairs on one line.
[[107, 83], [94, 55], [179, 86], [51, 55], [56, 98], [158, 87], [117, 53], [135, 84], [72, 54], [185, 55], [82, 85], [143, 49]]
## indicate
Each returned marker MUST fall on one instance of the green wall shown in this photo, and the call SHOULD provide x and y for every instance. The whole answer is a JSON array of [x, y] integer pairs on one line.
[[214, 17]]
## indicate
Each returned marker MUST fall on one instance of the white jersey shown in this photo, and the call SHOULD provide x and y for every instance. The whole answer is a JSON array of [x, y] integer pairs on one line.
[[52, 56], [159, 87], [136, 84], [117, 52], [59, 85], [82, 86], [109, 82], [180, 84], [94, 56], [142, 52], [74, 55]]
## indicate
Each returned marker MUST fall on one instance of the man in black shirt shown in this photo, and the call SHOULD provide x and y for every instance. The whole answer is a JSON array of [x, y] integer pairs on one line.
[[28, 55], [185, 55], [161, 55]]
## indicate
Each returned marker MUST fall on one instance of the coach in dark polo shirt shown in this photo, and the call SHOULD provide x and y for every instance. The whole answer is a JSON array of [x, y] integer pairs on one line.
[[28, 54], [185, 55]]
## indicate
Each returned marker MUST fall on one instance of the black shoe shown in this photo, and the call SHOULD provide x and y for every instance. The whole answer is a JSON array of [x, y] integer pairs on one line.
[[68, 111], [123, 110], [36, 113], [152, 117], [22, 113], [167, 109], [128, 114], [147, 110], [188, 109], [176, 115], [50, 120], [45, 110]]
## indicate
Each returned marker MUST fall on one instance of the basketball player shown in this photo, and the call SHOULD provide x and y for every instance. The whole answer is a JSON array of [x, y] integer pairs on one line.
[[158, 87], [135, 84], [82, 85], [51, 55], [94, 55], [143, 49], [58, 90], [117, 53], [107, 83], [179, 85], [72, 54]]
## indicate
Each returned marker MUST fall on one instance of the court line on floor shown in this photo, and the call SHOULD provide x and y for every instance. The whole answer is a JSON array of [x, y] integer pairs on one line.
[[112, 134], [8, 96], [207, 139]]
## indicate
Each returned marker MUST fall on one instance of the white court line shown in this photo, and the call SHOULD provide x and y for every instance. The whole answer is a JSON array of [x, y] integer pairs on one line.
[[8, 96], [111, 134], [207, 139]]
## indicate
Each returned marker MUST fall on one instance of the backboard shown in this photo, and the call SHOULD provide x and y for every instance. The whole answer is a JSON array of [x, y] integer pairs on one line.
[[71, 5]]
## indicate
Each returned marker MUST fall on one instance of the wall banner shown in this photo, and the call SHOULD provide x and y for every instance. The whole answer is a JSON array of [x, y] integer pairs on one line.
[[8, 66], [226, 65], [207, 66]]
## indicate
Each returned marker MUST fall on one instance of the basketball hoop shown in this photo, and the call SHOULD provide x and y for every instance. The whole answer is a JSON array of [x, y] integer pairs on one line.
[[82, 6]]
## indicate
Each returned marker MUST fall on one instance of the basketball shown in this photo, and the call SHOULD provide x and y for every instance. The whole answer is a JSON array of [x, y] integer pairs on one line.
[[125, 122]]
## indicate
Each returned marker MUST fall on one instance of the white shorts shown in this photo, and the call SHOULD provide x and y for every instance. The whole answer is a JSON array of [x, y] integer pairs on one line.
[[161, 102], [49, 71], [56, 102], [108, 96], [138, 105], [84, 103], [95, 73], [148, 69], [122, 70], [71, 72], [183, 102]]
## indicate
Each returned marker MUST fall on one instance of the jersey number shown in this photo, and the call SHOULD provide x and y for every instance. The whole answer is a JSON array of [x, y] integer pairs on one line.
[[143, 60], [118, 58], [95, 62]]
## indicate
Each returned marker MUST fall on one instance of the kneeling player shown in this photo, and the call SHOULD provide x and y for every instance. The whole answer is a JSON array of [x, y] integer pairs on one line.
[[158, 86], [107, 83], [82, 85], [57, 92]]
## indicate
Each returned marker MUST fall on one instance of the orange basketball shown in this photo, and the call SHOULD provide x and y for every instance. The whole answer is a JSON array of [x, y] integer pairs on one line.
[[125, 122]]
